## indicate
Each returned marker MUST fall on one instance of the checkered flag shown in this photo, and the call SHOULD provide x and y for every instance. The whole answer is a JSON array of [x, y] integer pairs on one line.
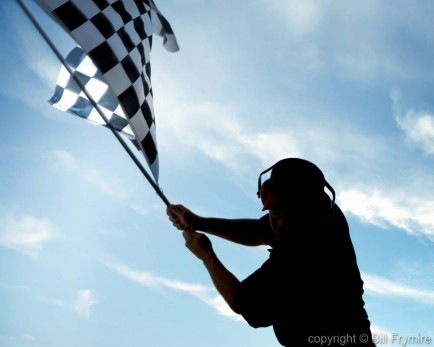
[[69, 97], [117, 37]]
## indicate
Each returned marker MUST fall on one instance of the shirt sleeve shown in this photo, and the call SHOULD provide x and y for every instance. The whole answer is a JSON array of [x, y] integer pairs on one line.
[[254, 299]]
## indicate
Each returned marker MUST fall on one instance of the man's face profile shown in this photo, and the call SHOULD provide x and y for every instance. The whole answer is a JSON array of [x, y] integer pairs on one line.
[[277, 220]]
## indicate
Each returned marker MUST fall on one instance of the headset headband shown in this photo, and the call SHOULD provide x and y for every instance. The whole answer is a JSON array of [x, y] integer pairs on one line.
[[260, 182], [326, 184]]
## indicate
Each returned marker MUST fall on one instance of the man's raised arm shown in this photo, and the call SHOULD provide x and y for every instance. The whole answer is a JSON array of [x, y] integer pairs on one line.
[[243, 231]]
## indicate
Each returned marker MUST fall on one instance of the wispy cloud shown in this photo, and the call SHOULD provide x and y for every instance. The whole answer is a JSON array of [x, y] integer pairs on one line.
[[85, 300], [26, 233], [26, 338], [98, 180], [378, 285], [82, 305], [114, 190], [419, 129], [218, 132], [373, 284], [414, 215], [379, 330], [418, 126], [391, 289], [206, 294], [66, 160], [403, 199], [240, 140]]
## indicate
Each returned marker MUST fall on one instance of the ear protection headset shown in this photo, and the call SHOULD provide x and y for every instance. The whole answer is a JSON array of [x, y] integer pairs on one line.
[[264, 188]]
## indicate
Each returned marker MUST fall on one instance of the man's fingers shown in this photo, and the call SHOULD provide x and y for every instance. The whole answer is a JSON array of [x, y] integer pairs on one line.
[[171, 210], [187, 235], [174, 218], [190, 233], [178, 225]]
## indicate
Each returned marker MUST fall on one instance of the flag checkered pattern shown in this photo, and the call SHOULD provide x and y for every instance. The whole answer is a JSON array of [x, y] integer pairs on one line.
[[69, 97], [117, 36]]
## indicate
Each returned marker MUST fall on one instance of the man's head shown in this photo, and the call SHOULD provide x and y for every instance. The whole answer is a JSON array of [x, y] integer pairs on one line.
[[295, 190], [292, 179]]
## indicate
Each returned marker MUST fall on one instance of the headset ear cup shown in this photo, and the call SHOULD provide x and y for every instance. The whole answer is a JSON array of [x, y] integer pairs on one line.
[[265, 190]]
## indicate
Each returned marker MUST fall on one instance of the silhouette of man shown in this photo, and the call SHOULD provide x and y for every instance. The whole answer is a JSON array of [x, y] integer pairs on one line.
[[310, 289]]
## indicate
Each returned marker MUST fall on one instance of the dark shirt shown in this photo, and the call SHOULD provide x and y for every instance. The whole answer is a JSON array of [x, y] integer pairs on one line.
[[309, 290]]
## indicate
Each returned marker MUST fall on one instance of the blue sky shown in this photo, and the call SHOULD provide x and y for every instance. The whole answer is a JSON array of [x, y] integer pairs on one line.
[[88, 256]]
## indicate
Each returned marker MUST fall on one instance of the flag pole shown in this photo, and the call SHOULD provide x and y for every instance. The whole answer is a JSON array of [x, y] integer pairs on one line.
[[41, 31]]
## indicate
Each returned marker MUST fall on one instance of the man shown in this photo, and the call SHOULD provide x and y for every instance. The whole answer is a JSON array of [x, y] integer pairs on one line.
[[310, 289]]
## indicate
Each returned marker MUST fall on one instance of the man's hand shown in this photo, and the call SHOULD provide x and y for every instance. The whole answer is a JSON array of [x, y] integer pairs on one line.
[[224, 281], [182, 218], [198, 243]]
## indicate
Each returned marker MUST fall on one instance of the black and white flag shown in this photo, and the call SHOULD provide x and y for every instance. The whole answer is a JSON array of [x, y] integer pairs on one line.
[[116, 37]]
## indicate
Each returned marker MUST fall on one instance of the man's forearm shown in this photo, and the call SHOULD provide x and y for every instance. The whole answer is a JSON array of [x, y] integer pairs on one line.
[[224, 281], [242, 231]]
